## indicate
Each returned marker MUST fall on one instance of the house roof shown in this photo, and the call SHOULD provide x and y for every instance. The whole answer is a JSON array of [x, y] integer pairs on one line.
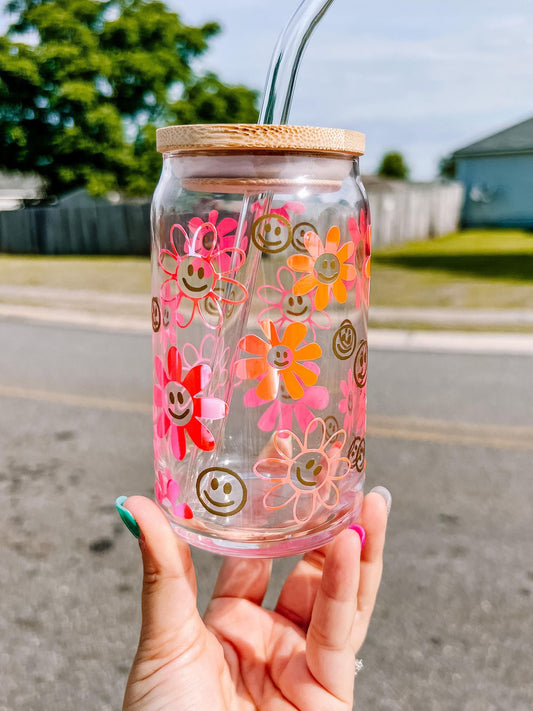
[[515, 139]]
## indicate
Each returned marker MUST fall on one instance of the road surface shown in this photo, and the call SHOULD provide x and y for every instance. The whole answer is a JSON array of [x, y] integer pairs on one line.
[[451, 435]]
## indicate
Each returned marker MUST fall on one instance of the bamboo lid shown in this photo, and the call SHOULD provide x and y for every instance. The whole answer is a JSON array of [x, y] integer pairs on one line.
[[254, 137]]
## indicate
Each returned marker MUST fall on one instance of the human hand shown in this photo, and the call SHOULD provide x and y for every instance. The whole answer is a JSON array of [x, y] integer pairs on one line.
[[241, 656]]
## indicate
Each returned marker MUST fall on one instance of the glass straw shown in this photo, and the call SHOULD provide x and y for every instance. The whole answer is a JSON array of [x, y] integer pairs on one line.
[[275, 107], [285, 62], [279, 90], [280, 82]]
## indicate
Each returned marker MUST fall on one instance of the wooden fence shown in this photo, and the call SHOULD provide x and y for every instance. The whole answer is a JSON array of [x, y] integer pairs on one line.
[[403, 212], [102, 229], [400, 211]]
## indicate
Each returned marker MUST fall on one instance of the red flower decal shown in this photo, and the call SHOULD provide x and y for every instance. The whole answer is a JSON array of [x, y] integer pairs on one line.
[[179, 407]]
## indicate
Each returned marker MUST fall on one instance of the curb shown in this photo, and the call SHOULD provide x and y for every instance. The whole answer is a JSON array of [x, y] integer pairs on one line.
[[451, 342], [379, 339]]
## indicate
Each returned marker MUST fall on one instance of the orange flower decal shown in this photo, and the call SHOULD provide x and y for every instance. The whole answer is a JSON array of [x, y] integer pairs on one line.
[[326, 269], [278, 359]]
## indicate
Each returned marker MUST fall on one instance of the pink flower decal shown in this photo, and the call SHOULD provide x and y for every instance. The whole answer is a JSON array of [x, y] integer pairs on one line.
[[279, 359], [304, 473], [283, 306], [258, 209], [226, 235], [196, 281], [211, 352], [361, 236], [326, 268], [279, 414], [360, 411], [167, 332], [348, 404], [167, 492], [178, 406]]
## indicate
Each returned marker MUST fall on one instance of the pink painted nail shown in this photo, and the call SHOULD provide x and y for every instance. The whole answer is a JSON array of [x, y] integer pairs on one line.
[[360, 532]]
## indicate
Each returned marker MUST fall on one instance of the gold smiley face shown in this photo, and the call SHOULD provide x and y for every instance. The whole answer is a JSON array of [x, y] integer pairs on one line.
[[298, 234], [283, 393], [156, 315], [360, 364], [271, 233], [221, 491], [327, 268], [195, 277], [226, 294], [280, 357], [332, 426], [356, 454], [309, 470], [344, 340], [360, 256], [296, 308], [179, 405], [167, 316], [208, 239]]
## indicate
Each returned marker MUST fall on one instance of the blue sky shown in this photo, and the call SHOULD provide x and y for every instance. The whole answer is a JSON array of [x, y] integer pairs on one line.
[[421, 76]]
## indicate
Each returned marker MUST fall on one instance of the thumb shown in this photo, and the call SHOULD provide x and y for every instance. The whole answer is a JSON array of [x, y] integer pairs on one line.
[[170, 619]]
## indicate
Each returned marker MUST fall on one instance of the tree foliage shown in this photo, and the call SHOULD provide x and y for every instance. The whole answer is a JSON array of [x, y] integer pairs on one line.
[[448, 167], [393, 165], [85, 83]]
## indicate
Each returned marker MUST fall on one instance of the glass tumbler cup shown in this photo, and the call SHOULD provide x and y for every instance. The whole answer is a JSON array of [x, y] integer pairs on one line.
[[260, 282]]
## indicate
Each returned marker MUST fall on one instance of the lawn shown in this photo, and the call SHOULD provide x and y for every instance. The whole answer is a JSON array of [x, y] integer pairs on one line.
[[471, 269], [125, 275]]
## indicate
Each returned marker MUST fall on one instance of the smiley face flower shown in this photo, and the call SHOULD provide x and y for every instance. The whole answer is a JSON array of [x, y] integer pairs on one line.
[[259, 209], [304, 473], [212, 352], [279, 413], [360, 412], [278, 359], [326, 268], [196, 281], [167, 492], [361, 235], [178, 407], [349, 405], [282, 306], [226, 238]]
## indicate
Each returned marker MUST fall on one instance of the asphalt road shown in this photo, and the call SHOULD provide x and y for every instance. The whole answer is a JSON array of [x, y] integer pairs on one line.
[[453, 628]]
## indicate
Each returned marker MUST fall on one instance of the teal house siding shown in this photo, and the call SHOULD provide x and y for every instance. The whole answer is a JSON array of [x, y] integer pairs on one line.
[[498, 190], [497, 176]]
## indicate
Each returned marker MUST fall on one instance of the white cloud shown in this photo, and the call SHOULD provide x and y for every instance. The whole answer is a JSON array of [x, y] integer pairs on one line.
[[424, 76]]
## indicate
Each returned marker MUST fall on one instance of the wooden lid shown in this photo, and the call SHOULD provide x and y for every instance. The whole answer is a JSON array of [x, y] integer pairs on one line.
[[254, 137]]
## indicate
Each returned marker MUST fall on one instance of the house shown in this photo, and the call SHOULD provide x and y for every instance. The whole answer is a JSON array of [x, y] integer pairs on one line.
[[497, 174], [15, 188]]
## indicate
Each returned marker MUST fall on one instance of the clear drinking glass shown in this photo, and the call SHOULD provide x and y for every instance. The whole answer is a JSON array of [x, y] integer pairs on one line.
[[260, 281]]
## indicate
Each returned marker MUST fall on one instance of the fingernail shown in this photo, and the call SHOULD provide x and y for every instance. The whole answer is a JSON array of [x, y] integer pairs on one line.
[[129, 521], [385, 493], [360, 532]]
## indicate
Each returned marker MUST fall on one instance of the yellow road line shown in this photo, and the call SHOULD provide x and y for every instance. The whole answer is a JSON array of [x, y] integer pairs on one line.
[[473, 440], [96, 403], [415, 429]]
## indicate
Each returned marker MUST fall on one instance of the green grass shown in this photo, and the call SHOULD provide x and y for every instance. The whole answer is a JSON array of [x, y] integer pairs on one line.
[[471, 269], [125, 275]]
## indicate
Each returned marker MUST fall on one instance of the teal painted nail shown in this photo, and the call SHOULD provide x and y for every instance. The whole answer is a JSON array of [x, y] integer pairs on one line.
[[129, 521]]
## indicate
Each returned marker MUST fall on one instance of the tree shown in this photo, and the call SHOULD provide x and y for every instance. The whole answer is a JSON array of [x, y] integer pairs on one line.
[[448, 167], [85, 83], [393, 165]]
